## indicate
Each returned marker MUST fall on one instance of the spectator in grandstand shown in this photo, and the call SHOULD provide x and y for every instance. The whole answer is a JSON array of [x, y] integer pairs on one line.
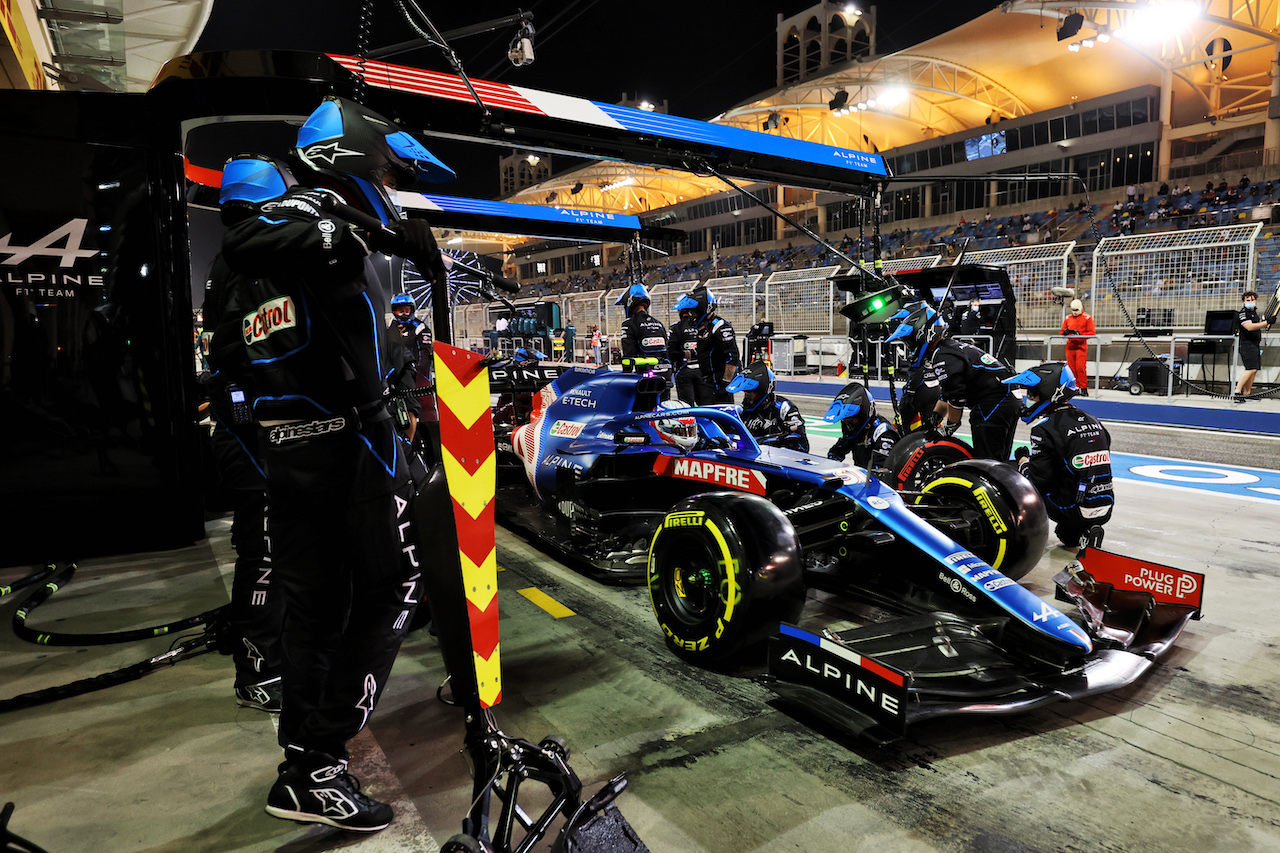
[[1078, 326], [1244, 183], [1131, 193], [987, 219], [1069, 461], [1250, 331], [1164, 189], [1116, 212], [1222, 187]]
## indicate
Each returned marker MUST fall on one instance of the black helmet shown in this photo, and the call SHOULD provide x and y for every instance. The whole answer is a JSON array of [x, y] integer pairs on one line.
[[918, 325], [756, 382], [853, 408], [635, 296], [364, 152], [1052, 382], [250, 181], [698, 306]]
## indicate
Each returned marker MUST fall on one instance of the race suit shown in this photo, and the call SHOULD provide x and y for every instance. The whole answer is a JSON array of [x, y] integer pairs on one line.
[[717, 349], [970, 378], [257, 606], [1070, 466], [682, 349], [312, 324], [919, 396], [1078, 347], [869, 447], [777, 422]]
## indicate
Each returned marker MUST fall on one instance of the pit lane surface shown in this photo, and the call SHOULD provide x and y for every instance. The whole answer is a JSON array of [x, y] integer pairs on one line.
[[1185, 760]]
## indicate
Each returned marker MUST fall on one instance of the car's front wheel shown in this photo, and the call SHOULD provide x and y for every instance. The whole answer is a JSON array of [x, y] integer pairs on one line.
[[724, 569]]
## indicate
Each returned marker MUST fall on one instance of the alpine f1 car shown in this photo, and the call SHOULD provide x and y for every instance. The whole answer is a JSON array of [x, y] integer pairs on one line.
[[729, 535]]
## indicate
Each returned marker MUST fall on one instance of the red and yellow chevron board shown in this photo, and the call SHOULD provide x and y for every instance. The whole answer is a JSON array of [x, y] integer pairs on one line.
[[466, 439]]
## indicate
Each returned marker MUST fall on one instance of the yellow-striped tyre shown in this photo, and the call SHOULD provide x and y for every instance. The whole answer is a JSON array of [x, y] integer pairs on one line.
[[1012, 529], [724, 569]]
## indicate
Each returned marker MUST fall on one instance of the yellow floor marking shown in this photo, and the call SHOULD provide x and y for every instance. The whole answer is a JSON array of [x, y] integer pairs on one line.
[[546, 602]]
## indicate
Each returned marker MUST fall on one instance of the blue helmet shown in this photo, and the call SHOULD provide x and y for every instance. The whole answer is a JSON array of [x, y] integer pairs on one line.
[[364, 151], [919, 325], [399, 303], [756, 383], [698, 306], [853, 408], [635, 296], [1052, 382], [250, 181]]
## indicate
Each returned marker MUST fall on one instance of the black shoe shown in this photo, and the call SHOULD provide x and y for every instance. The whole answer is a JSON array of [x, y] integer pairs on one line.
[[1238, 399], [264, 696], [1084, 392], [316, 788]]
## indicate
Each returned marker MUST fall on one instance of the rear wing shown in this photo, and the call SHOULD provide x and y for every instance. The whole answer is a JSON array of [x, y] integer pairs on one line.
[[438, 104]]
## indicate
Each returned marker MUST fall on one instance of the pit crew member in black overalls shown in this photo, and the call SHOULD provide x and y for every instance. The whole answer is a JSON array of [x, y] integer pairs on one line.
[[770, 417], [682, 350], [968, 377], [257, 605], [336, 474], [865, 434], [717, 343], [408, 363], [643, 335], [1250, 327], [1069, 461]]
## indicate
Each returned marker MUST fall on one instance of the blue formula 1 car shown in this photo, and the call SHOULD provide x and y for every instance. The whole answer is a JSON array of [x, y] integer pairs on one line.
[[729, 536]]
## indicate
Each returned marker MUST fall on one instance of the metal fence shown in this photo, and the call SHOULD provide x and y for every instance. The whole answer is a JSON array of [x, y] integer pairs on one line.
[[801, 301], [1170, 279], [1033, 271]]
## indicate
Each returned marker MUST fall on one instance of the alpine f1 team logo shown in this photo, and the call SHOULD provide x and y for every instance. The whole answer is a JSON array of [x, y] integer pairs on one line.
[[713, 473], [64, 244], [1088, 460], [271, 317]]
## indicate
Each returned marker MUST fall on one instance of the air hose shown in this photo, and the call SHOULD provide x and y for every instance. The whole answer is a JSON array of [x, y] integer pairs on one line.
[[186, 647]]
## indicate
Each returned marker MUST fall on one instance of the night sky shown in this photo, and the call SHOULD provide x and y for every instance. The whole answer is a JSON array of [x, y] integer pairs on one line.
[[694, 55]]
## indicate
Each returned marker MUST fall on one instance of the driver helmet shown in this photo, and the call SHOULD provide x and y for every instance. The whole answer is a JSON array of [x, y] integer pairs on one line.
[[1052, 382], [756, 382], [363, 153], [250, 181], [918, 326], [402, 308], [633, 298], [853, 408], [681, 432], [697, 307]]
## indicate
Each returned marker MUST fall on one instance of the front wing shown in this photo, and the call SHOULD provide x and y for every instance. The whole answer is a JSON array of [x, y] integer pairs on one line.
[[876, 680]]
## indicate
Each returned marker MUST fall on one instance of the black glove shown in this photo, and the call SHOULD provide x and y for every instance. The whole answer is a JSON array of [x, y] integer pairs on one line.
[[946, 428], [417, 243], [1020, 453]]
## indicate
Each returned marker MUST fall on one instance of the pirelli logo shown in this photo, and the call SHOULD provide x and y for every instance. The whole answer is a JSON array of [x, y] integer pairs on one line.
[[271, 317], [296, 432], [684, 519]]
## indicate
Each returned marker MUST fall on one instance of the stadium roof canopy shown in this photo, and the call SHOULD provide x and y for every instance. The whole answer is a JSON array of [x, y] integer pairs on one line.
[[1214, 56]]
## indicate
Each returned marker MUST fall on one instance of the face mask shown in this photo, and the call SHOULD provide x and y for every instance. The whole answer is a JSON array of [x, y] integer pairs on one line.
[[1251, 305]]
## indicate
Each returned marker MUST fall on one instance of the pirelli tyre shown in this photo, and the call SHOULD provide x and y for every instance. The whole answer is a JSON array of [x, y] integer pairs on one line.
[[916, 459], [724, 569], [1013, 529]]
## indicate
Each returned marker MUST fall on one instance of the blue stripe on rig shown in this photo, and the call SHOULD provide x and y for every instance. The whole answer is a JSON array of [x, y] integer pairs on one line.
[[508, 210], [503, 96]]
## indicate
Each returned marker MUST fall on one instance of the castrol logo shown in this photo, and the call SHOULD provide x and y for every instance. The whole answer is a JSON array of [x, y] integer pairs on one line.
[[1088, 460], [270, 318]]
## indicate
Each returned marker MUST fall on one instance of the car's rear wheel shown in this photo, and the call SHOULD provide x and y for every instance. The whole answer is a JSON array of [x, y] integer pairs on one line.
[[1013, 528], [724, 569], [916, 459]]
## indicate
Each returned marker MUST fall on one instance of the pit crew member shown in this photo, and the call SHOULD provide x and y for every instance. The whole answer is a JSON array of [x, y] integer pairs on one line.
[[1250, 330], [717, 343], [1069, 461], [967, 376], [408, 362], [865, 434], [771, 418], [682, 350], [642, 336], [336, 474]]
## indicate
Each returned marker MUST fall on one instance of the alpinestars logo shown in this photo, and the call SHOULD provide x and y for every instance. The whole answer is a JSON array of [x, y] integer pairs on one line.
[[295, 432], [335, 802], [370, 695], [329, 152]]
